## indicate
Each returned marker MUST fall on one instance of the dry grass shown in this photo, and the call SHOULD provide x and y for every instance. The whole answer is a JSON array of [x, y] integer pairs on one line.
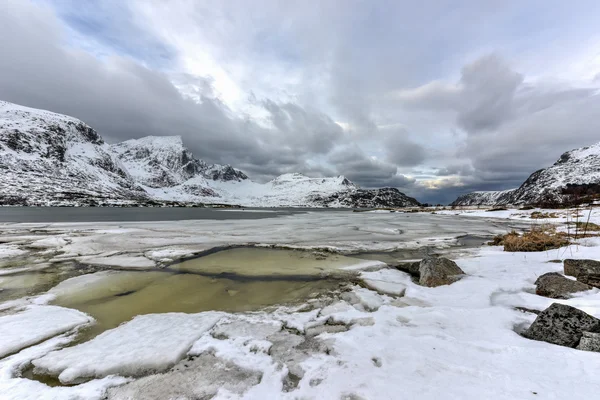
[[542, 215], [539, 238], [586, 226]]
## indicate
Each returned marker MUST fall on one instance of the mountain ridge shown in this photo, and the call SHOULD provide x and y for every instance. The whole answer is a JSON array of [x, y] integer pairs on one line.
[[51, 159]]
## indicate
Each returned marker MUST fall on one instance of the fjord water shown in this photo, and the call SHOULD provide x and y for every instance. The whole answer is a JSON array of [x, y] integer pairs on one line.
[[128, 214]]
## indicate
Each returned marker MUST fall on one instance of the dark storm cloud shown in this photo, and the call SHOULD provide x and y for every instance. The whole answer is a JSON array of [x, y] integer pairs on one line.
[[366, 171], [401, 150], [122, 67], [123, 100], [512, 128]]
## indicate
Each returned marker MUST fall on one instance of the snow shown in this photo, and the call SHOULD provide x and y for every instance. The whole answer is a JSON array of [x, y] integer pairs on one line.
[[458, 341], [148, 343], [35, 324]]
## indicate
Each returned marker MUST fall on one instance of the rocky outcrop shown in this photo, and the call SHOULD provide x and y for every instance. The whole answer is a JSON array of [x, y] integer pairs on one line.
[[573, 179], [438, 271], [586, 271], [432, 271], [411, 268], [562, 325], [556, 286]]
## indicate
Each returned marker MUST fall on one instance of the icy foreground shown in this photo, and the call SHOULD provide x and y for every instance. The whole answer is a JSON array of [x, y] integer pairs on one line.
[[62, 161], [399, 340]]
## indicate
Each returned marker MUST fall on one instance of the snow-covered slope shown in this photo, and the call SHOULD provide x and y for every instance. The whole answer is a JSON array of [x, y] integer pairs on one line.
[[574, 177], [484, 198], [51, 159], [288, 190]]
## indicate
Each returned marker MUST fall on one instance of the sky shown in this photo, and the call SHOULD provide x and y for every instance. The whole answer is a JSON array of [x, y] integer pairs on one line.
[[437, 97]]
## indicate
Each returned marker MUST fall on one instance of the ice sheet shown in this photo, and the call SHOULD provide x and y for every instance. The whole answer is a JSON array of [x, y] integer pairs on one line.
[[148, 343], [35, 324]]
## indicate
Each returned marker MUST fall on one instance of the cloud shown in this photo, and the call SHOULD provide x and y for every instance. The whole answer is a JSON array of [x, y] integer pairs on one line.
[[123, 99], [370, 90], [367, 171], [513, 127], [401, 150]]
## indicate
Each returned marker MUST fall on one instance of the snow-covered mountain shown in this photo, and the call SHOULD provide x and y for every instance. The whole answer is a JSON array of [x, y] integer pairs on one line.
[[52, 159], [575, 177], [163, 163], [484, 198]]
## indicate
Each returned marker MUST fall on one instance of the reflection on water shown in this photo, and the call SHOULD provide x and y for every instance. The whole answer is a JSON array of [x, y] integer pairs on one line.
[[113, 297], [264, 262]]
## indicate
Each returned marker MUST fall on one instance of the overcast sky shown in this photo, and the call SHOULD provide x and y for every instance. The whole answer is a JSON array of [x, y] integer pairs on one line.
[[436, 98]]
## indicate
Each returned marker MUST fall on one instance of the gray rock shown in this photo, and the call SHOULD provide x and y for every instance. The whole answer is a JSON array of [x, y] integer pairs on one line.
[[437, 271], [561, 324], [410, 267], [590, 341], [586, 271], [556, 286]]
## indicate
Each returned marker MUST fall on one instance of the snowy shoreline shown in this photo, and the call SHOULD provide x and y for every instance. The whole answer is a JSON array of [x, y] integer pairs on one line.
[[454, 341]]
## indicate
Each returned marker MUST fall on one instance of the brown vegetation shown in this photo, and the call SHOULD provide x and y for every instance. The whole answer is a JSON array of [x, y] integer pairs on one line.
[[542, 215], [586, 226], [539, 238]]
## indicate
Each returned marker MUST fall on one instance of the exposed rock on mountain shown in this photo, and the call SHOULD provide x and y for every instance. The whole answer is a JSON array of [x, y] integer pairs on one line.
[[574, 178], [368, 198], [164, 162], [52, 159]]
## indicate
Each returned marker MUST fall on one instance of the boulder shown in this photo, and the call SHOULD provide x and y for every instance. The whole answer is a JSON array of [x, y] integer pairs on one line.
[[590, 341], [410, 267], [556, 286], [586, 271], [438, 271], [561, 324]]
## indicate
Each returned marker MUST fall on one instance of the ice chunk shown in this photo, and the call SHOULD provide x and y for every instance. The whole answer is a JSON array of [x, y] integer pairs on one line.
[[387, 281], [35, 324], [370, 300], [148, 343]]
